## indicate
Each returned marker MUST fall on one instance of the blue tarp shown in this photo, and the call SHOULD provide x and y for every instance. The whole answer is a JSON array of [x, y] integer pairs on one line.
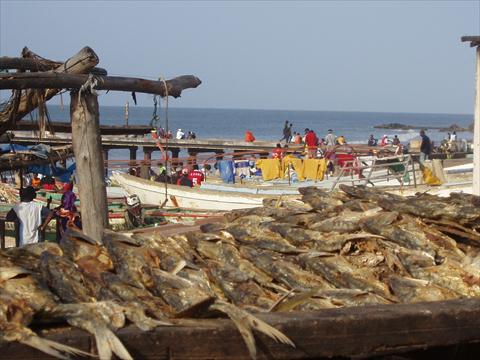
[[64, 175], [227, 171], [4, 148], [40, 150]]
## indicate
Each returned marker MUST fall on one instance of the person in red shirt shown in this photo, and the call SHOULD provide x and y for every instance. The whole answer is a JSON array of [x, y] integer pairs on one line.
[[277, 153], [249, 136], [311, 140], [196, 176]]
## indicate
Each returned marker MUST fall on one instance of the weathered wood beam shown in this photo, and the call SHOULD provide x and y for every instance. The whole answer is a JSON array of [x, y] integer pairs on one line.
[[474, 40], [65, 127], [82, 62], [87, 147], [29, 64], [346, 332], [47, 80]]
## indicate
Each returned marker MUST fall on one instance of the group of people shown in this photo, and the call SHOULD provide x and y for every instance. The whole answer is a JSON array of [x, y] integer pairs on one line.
[[45, 182], [160, 133], [309, 138], [384, 141], [184, 177], [33, 217], [182, 136]]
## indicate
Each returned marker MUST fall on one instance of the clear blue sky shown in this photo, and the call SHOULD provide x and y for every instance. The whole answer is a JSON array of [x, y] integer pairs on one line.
[[352, 56]]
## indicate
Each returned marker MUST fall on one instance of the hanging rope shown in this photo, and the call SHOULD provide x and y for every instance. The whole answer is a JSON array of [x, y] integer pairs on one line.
[[155, 117], [166, 137]]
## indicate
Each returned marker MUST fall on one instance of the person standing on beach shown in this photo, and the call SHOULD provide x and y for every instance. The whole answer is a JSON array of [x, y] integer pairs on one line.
[[277, 153], [180, 135], [29, 214], [341, 140], [384, 140], [285, 132], [289, 133], [372, 141], [297, 138], [425, 147], [311, 141], [249, 136], [330, 138], [396, 140]]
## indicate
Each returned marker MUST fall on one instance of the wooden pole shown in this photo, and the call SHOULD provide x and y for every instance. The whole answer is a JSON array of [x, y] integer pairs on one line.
[[145, 168], [55, 80], [133, 158], [105, 158], [87, 148], [476, 132]]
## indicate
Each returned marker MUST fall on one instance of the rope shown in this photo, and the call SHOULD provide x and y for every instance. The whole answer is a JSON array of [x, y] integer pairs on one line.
[[166, 139], [155, 117], [90, 85]]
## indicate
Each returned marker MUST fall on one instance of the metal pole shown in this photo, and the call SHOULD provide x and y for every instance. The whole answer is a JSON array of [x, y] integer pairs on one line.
[[126, 113], [476, 132], [413, 172]]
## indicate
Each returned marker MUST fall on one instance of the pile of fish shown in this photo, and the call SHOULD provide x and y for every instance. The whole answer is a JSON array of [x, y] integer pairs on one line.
[[354, 247]]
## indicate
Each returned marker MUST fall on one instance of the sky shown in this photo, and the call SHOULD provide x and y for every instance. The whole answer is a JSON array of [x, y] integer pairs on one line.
[[383, 56]]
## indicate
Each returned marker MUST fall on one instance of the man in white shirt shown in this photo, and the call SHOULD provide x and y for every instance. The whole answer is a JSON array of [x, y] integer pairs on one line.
[[180, 134], [29, 214], [330, 138]]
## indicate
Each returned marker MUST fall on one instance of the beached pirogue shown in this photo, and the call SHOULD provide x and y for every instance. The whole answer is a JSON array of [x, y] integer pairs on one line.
[[349, 248]]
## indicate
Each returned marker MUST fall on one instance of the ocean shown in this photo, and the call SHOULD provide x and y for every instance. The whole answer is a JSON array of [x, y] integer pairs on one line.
[[268, 124]]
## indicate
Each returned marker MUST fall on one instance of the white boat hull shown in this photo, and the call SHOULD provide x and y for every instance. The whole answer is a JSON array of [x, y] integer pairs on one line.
[[153, 193]]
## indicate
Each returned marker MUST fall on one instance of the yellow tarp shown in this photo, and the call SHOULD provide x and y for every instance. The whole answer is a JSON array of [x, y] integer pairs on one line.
[[271, 168], [314, 169], [429, 178], [296, 163]]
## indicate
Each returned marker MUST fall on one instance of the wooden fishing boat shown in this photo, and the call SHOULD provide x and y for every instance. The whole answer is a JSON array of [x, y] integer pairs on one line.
[[155, 193]]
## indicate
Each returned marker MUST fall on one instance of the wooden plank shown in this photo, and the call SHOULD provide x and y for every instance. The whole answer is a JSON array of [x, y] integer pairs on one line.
[[87, 147], [358, 331], [65, 127], [474, 40], [47, 80]]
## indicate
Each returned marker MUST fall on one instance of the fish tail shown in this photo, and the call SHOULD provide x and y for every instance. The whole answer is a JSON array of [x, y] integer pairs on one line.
[[108, 343], [242, 326], [10, 272], [50, 347], [245, 322]]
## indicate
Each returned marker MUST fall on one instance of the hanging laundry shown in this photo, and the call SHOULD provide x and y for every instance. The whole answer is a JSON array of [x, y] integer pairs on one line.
[[295, 163], [271, 168], [314, 169], [242, 168], [227, 171]]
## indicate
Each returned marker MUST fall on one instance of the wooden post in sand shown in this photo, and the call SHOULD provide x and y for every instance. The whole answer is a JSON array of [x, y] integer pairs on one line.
[[87, 147], [475, 42]]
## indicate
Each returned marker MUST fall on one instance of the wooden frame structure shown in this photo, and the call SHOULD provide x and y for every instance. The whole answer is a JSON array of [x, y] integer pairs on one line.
[[33, 89]]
